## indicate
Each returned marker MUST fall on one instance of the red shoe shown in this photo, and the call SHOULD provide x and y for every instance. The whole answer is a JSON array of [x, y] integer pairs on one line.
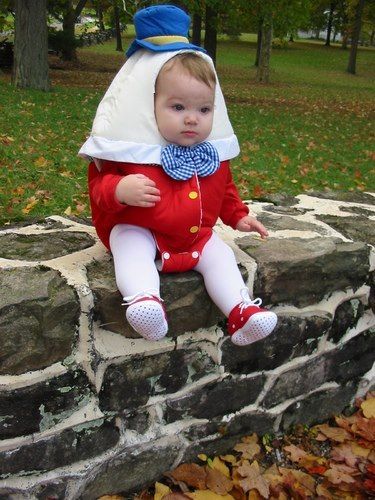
[[146, 314], [248, 323]]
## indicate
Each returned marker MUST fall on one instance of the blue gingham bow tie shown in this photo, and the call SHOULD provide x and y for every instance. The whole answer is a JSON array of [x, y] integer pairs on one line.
[[182, 162]]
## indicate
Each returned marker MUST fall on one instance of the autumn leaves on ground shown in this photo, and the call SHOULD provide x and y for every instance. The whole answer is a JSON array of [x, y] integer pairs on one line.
[[334, 461]]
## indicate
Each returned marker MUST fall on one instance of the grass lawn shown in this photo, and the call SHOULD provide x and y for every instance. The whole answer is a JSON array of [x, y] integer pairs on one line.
[[311, 128]]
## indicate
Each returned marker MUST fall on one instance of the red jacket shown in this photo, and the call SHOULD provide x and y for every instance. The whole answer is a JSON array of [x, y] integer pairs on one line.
[[181, 222]]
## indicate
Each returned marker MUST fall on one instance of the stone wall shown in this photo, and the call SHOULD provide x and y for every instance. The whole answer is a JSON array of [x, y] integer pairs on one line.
[[88, 408]]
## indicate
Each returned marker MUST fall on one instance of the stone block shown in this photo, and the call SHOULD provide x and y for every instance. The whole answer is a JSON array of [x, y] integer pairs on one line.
[[229, 435], [326, 265], [133, 469], [38, 320], [64, 448], [44, 246], [356, 228], [346, 316], [216, 398], [345, 363], [353, 359], [130, 384], [296, 381], [295, 335], [42, 405], [318, 406], [186, 300]]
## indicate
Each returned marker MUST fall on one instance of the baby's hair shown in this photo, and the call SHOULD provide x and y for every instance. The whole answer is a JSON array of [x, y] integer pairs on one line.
[[195, 66]]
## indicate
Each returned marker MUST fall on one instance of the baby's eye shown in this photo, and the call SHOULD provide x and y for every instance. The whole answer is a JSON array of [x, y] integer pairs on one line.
[[178, 107], [205, 110]]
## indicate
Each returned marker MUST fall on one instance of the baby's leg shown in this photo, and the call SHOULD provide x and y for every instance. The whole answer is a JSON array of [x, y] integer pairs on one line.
[[221, 275], [134, 250], [247, 322]]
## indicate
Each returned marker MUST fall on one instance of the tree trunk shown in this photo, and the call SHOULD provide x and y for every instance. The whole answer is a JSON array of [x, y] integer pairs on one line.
[[317, 34], [117, 27], [71, 14], [68, 52], [259, 45], [372, 37], [99, 13], [210, 37], [355, 37], [330, 22], [263, 73], [197, 28], [31, 45]]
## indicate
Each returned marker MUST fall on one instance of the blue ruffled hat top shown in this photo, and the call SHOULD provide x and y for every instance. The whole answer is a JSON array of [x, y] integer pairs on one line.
[[161, 28]]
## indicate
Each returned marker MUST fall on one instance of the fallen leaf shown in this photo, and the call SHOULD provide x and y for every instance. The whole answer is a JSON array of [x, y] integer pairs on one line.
[[253, 478], [217, 482], [192, 474], [334, 433], [231, 459], [344, 453], [365, 427], [41, 162], [301, 480], [336, 476], [161, 490], [208, 495], [220, 466], [249, 447]]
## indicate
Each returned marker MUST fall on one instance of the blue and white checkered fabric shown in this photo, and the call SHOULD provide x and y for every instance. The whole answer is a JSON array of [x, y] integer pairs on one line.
[[182, 162]]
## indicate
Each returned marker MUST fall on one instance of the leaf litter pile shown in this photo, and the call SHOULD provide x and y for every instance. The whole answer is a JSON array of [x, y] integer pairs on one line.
[[322, 462]]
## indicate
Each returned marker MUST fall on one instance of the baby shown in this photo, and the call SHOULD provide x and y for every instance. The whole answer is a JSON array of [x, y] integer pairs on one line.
[[158, 217]]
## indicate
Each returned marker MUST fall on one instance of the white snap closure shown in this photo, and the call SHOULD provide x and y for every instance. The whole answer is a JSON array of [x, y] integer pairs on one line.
[[166, 255], [195, 255]]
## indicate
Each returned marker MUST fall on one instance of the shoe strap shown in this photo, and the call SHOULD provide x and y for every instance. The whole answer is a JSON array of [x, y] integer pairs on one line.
[[146, 294], [247, 302]]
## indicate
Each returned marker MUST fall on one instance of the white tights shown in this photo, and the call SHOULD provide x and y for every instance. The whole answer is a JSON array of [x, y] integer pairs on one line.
[[134, 251]]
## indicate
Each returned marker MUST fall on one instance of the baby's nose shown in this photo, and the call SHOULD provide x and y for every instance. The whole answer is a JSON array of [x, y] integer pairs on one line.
[[191, 118]]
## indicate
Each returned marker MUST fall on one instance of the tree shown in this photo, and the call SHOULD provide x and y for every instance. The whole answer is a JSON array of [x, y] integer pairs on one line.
[[332, 7], [210, 37], [355, 36], [263, 71], [116, 14], [31, 45]]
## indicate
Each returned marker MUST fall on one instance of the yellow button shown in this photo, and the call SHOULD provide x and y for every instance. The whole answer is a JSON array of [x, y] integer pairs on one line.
[[194, 229], [193, 195]]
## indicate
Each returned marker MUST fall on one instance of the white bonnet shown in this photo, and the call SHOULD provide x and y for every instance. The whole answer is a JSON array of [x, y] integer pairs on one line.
[[125, 128]]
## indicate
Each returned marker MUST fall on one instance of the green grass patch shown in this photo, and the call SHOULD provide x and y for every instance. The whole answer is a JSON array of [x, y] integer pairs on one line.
[[311, 128]]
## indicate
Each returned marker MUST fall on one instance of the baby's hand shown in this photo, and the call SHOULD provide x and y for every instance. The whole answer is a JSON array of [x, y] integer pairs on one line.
[[248, 223], [137, 190]]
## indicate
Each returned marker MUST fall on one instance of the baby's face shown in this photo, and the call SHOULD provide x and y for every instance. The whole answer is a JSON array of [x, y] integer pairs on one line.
[[184, 107]]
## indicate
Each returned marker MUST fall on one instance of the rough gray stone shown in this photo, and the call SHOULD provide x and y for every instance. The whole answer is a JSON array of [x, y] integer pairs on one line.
[[280, 199], [347, 196], [38, 320], [132, 470], [216, 398], [283, 223], [295, 335], [229, 435], [345, 363], [346, 316], [129, 385], [354, 358], [357, 228], [42, 246], [326, 264], [69, 446], [186, 300], [40, 406], [318, 406]]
